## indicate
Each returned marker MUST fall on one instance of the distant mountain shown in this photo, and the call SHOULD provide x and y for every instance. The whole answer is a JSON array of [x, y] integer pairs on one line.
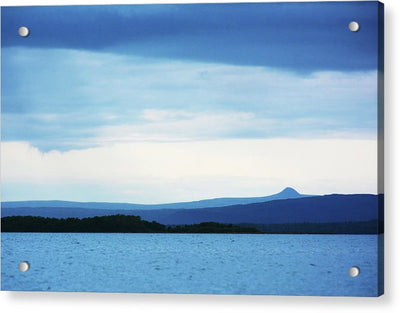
[[317, 209], [287, 193]]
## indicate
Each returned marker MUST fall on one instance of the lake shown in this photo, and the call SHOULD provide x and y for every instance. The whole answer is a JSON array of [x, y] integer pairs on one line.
[[191, 263]]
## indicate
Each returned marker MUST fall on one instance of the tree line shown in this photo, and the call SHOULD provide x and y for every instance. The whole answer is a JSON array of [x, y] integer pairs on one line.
[[111, 224], [134, 224]]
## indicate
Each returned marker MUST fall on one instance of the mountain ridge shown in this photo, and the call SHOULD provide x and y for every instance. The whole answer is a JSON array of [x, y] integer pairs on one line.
[[286, 193]]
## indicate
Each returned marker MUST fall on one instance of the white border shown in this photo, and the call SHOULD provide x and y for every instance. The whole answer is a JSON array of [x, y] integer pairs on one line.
[[29, 302]]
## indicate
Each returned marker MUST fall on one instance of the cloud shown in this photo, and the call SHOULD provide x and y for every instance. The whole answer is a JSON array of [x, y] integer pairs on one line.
[[161, 172], [260, 34], [71, 99], [179, 125], [172, 125], [154, 115]]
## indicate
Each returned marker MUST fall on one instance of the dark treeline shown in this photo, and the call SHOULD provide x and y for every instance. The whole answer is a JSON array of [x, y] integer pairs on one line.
[[134, 224], [111, 224]]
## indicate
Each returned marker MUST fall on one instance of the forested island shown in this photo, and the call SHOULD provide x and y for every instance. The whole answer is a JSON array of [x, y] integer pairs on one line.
[[112, 224], [134, 224]]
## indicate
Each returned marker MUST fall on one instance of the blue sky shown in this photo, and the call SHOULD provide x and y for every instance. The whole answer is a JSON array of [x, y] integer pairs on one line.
[[90, 77]]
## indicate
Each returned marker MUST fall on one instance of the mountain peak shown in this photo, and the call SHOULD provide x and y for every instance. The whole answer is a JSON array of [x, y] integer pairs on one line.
[[289, 191]]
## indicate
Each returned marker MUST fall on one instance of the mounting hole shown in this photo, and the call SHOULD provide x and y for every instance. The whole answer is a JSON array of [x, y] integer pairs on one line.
[[354, 271], [23, 31], [23, 266], [354, 26]]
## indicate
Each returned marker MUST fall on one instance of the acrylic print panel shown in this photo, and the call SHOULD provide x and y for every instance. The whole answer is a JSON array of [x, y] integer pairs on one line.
[[199, 148]]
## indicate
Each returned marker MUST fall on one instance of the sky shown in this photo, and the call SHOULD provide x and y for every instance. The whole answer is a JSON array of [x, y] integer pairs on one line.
[[165, 103]]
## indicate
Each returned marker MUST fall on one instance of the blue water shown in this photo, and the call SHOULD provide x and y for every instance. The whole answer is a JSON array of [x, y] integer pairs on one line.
[[191, 263]]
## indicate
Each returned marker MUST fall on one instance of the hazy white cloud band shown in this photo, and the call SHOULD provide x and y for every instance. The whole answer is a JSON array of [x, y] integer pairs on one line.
[[161, 172]]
